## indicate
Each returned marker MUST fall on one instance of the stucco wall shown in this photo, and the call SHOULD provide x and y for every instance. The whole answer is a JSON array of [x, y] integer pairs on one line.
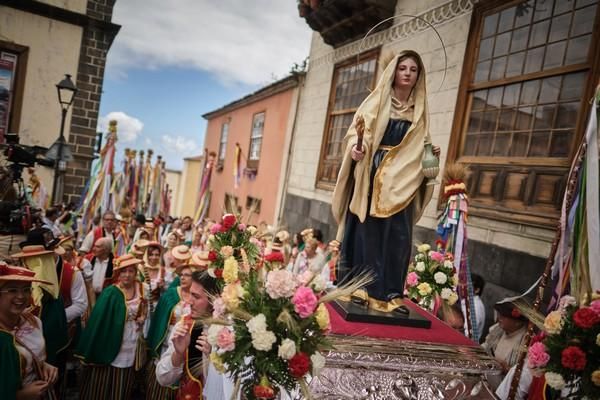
[[189, 185], [71, 5], [53, 51], [268, 179], [173, 180], [453, 26]]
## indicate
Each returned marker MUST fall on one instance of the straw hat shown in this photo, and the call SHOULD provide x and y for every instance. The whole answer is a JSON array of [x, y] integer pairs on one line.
[[283, 236], [32, 251], [154, 243], [136, 251], [125, 261], [200, 260], [142, 244], [181, 252], [507, 309], [11, 273], [66, 241]]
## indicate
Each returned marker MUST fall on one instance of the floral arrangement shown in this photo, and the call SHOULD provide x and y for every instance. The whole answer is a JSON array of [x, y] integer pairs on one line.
[[567, 352], [432, 274], [268, 328], [230, 245]]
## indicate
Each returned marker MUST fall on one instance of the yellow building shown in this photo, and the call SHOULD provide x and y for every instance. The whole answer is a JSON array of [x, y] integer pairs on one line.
[[40, 42]]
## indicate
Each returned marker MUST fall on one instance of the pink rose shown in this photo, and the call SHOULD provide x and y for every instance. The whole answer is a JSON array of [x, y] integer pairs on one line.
[[537, 356], [304, 301], [436, 256], [226, 339], [216, 228], [595, 305], [241, 227], [280, 283], [412, 279]]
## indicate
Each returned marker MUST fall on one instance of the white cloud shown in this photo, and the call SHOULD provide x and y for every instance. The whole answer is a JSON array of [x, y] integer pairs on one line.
[[128, 127], [238, 41], [179, 145]]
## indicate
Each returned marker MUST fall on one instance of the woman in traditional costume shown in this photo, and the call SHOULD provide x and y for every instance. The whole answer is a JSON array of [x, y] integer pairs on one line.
[[109, 343], [381, 190], [154, 271], [25, 373], [172, 306]]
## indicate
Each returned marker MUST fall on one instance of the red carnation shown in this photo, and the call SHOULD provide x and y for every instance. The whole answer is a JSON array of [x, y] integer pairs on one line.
[[219, 273], [585, 317], [299, 365], [274, 256], [212, 256], [574, 358], [228, 221], [264, 390]]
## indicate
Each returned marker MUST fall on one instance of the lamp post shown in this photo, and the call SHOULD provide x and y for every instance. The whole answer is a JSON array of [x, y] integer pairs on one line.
[[66, 93]]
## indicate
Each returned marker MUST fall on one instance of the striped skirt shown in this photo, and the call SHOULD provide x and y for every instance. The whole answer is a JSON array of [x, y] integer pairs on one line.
[[101, 382], [154, 391]]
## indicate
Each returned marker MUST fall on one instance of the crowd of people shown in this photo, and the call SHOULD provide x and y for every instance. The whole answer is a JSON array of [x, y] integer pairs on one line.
[[114, 312]]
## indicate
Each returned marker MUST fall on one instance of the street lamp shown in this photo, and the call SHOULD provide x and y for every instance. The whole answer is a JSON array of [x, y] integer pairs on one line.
[[66, 93]]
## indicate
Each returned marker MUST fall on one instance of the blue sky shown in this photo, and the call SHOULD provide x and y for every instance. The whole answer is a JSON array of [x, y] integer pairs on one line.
[[169, 65]]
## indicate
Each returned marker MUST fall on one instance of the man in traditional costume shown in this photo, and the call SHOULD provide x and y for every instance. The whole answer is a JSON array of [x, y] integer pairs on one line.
[[106, 230], [381, 190], [100, 275], [185, 360], [108, 346]]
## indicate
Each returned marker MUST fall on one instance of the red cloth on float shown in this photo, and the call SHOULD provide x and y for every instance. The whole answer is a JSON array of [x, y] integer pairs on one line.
[[439, 332]]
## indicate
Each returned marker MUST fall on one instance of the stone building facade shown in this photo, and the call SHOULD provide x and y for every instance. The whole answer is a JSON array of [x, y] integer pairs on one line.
[[48, 39], [518, 147]]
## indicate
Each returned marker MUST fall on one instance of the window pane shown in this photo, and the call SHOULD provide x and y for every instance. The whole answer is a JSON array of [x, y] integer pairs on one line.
[[470, 145], [563, 6], [524, 118], [515, 64], [485, 144], [482, 71], [485, 49], [534, 60], [550, 89], [507, 118], [475, 122], [572, 86], [479, 99], [498, 67], [560, 143], [539, 33], [566, 116], [577, 50], [555, 54], [539, 144], [511, 94], [502, 44], [519, 39], [506, 19], [489, 25], [543, 9], [583, 21], [544, 116], [488, 124], [519, 144], [524, 13], [501, 144], [530, 92], [560, 28]]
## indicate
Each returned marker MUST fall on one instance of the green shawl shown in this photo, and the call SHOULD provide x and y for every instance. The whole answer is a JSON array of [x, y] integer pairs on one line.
[[160, 321], [54, 326], [10, 378], [101, 339]]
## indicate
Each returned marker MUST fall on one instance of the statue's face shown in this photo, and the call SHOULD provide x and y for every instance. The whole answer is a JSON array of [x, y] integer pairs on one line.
[[407, 73]]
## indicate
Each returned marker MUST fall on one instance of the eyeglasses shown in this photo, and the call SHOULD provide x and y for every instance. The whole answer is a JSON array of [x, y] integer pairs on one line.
[[14, 291], [188, 275]]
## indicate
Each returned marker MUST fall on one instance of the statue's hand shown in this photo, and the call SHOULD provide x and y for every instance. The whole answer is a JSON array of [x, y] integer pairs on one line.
[[360, 125], [357, 155]]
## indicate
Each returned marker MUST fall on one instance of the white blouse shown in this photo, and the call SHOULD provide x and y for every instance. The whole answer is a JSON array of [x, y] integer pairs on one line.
[[132, 331], [31, 335]]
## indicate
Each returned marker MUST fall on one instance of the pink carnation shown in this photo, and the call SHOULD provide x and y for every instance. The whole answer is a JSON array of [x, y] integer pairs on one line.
[[436, 256], [226, 339], [304, 301], [538, 357], [280, 283], [305, 277], [412, 279], [218, 308], [241, 227], [595, 306], [215, 228]]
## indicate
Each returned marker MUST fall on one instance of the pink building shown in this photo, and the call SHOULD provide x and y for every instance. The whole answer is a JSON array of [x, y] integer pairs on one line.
[[262, 125]]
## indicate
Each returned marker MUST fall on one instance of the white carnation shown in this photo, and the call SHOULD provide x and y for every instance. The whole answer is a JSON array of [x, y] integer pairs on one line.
[[420, 266], [257, 324], [318, 283], [263, 341], [440, 278], [554, 380], [213, 333], [318, 363], [446, 293], [287, 349], [448, 264]]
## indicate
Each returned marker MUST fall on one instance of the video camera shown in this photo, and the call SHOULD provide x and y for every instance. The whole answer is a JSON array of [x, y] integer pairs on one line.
[[15, 211]]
